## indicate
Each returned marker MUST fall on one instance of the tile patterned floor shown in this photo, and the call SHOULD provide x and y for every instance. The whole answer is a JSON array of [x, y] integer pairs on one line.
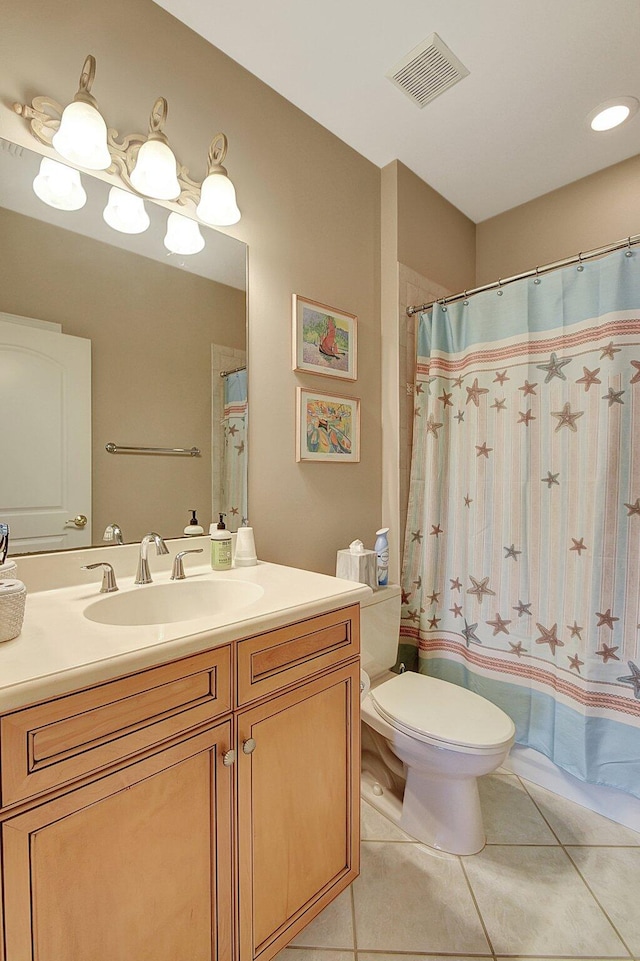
[[554, 882]]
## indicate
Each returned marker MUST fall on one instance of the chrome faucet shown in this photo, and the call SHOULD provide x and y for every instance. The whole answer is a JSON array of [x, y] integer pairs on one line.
[[143, 575], [113, 534]]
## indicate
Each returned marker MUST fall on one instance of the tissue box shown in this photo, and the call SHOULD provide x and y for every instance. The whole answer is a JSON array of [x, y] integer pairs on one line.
[[358, 567]]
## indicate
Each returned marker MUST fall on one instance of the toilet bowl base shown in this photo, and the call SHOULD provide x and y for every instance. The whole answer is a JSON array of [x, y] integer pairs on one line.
[[444, 813], [386, 800], [451, 821]]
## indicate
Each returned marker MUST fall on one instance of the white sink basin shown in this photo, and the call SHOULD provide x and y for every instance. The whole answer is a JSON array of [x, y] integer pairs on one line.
[[168, 603]]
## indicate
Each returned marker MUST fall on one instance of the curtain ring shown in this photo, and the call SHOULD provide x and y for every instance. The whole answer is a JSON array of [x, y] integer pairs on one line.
[[628, 252], [465, 301], [443, 306], [537, 280], [580, 264], [499, 290]]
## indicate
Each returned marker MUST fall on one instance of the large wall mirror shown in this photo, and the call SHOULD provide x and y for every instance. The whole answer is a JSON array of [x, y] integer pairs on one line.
[[163, 338]]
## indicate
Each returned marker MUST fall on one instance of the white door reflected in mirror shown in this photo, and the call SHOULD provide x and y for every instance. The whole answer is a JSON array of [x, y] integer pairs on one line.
[[45, 399]]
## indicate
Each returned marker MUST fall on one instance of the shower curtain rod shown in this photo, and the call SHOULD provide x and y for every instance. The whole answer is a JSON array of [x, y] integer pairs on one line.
[[236, 370], [496, 285]]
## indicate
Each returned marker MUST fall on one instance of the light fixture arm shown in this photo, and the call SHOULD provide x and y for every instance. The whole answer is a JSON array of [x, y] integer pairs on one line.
[[87, 77], [217, 153], [157, 120], [44, 114]]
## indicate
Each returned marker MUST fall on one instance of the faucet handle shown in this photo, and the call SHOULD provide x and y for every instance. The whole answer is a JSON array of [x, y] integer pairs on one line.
[[177, 572], [108, 577]]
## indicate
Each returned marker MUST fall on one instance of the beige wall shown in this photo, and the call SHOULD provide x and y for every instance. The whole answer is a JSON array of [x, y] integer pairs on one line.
[[311, 218], [151, 363], [592, 212], [434, 238]]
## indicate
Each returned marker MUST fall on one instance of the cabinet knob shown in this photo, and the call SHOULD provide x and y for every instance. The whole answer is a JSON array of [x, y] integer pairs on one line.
[[249, 746], [229, 758]]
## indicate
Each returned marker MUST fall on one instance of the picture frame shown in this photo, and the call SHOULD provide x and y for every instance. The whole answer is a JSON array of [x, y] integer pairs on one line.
[[327, 427], [324, 340]]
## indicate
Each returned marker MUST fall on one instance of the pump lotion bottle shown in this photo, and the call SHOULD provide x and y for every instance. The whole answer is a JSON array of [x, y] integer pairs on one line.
[[220, 546]]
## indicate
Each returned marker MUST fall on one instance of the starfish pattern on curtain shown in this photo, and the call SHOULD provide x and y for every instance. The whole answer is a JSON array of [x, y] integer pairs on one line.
[[521, 576], [234, 458]]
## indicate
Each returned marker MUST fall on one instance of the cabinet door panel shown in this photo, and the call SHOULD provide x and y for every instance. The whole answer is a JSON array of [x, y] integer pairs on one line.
[[134, 866], [298, 804]]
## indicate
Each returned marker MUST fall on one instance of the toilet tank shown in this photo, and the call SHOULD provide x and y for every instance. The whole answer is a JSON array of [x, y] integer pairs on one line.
[[379, 629]]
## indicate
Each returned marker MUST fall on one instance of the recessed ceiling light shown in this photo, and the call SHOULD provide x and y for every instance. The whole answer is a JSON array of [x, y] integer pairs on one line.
[[612, 113]]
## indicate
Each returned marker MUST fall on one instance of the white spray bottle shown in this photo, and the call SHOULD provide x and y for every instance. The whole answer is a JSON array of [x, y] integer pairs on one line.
[[382, 551]]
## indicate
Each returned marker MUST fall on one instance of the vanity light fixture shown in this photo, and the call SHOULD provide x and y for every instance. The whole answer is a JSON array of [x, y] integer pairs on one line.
[[82, 135], [218, 206], [144, 164], [612, 113], [155, 173], [126, 212], [59, 186], [183, 235]]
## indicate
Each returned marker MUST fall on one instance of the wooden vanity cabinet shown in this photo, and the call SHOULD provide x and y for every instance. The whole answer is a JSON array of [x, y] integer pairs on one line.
[[130, 830], [298, 733], [136, 864], [298, 808]]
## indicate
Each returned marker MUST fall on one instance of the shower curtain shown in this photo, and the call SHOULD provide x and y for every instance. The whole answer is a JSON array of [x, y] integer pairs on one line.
[[521, 575], [234, 465]]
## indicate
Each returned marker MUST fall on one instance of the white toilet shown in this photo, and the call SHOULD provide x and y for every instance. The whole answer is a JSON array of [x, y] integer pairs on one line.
[[425, 741]]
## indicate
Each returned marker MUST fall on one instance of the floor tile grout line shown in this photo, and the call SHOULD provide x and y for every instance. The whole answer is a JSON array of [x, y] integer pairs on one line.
[[558, 843], [331, 950], [450, 954], [593, 895], [570, 957], [524, 782], [453, 954], [563, 846], [539, 810], [388, 841], [477, 907]]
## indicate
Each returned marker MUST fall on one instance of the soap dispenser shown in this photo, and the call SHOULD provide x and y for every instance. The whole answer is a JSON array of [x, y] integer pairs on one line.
[[220, 546], [193, 528]]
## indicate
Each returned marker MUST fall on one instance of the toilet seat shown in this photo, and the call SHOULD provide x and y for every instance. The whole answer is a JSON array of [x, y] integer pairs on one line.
[[443, 714]]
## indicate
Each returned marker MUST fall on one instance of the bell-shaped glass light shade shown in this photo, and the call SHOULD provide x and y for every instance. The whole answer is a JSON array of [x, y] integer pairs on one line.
[[155, 172], [59, 186], [183, 235], [82, 137], [125, 212], [218, 205]]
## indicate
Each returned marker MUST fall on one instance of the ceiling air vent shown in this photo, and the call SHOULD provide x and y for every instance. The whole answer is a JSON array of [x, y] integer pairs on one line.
[[426, 72]]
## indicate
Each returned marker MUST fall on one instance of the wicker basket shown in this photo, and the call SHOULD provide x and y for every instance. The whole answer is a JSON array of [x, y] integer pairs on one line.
[[8, 570], [12, 598]]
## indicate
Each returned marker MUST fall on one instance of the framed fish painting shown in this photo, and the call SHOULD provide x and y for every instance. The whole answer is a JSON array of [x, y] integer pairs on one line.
[[327, 427], [324, 340]]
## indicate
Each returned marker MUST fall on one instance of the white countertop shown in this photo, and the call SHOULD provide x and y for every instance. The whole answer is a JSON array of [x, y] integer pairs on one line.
[[60, 650]]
